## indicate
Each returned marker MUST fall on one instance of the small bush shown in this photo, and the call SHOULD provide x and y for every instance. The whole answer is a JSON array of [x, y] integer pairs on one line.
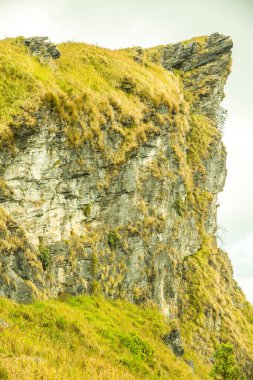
[[61, 323], [45, 257], [225, 367], [137, 346], [95, 288], [4, 374], [179, 206], [113, 238], [127, 85], [87, 211]]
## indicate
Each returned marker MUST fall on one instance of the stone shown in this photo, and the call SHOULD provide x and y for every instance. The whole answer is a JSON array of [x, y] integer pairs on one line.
[[40, 47], [186, 56], [209, 61], [174, 56], [173, 340], [3, 325]]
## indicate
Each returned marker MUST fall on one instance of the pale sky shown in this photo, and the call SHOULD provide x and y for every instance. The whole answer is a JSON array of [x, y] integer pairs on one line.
[[118, 23]]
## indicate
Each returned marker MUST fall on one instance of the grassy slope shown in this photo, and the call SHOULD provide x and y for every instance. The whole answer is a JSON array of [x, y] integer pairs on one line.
[[212, 295], [87, 338], [88, 87]]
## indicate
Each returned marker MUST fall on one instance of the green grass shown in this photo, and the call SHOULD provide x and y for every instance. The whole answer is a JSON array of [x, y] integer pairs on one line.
[[87, 338]]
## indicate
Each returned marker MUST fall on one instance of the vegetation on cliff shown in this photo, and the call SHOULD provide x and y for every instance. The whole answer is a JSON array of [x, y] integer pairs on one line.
[[88, 87]]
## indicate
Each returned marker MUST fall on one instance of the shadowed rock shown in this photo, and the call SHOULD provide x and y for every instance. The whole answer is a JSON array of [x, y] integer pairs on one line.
[[39, 46], [173, 340]]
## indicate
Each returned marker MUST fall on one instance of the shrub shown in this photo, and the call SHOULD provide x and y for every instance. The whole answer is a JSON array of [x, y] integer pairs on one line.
[[3, 374], [45, 257], [113, 238], [179, 206], [225, 367], [137, 346], [127, 84]]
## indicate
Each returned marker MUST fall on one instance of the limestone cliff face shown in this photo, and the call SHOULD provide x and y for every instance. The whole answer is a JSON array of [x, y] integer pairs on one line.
[[74, 220], [134, 212]]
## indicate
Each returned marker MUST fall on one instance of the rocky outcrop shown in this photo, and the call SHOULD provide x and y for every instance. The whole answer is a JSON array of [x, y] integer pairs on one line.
[[203, 66], [40, 47], [188, 56], [173, 340]]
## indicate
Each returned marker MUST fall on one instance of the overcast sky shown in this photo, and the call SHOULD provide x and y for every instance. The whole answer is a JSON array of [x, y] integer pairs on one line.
[[122, 23]]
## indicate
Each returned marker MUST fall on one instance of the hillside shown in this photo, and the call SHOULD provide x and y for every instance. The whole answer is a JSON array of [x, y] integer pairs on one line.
[[89, 338], [111, 163]]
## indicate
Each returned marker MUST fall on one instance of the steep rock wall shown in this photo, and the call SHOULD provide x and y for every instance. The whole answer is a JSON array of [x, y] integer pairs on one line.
[[135, 212]]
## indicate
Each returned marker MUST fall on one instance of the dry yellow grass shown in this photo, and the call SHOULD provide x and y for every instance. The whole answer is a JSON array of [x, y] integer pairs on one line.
[[88, 87]]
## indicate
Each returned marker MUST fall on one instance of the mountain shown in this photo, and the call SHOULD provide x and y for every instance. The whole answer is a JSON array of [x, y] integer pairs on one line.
[[111, 163]]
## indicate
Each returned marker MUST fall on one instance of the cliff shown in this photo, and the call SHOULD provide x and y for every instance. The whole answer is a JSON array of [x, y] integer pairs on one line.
[[110, 165]]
